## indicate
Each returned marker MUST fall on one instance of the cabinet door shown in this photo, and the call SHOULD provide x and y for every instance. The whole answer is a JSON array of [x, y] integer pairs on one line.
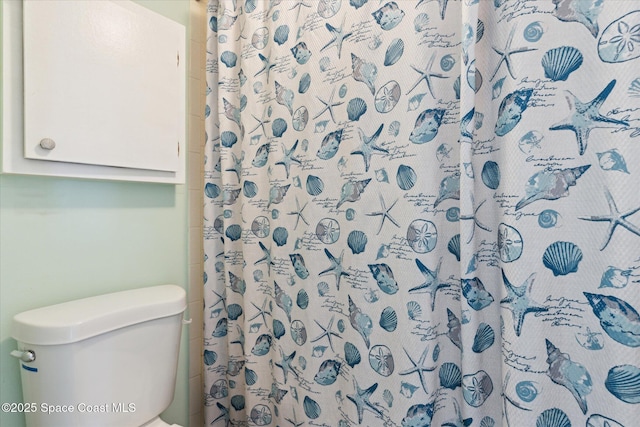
[[102, 84]]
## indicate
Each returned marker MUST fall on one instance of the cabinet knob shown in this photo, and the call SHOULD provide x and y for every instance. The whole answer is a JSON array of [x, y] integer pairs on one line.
[[47, 143]]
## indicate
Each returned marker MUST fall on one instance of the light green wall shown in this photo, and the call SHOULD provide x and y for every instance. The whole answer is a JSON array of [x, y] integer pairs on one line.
[[62, 239]]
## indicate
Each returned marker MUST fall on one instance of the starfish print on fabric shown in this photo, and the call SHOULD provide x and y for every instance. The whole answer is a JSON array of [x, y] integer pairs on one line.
[[614, 218], [465, 129], [272, 4], [224, 415], [266, 65], [240, 339], [242, 35], [338, 35], [361, 399], [294, 422], [328, 105], [505, 54], [419, 367], [298, 213], [519, 301], [585, 116], [299, 4], [432, 282], [289, 158], [266, 259], [222, 298], [474, 217], [237, 165], [327, 332], [369, 147], [336, 267], [384, 213], [426, 75], [261, 122], [262, 311], [285, 364], [442, 3]]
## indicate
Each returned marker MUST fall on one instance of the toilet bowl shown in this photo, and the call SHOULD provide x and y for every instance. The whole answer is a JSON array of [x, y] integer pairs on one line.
[[104, 361]]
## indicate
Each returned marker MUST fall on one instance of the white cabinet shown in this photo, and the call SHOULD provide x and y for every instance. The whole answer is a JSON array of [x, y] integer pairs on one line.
[[93, 89]]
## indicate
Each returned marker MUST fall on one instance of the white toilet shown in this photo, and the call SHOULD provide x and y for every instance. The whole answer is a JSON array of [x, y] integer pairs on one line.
[[109, 360]]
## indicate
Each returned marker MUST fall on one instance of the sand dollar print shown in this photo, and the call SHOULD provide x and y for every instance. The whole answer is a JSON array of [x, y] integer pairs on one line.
[[260, 226], [260, 38], [261, 415], [509, 243], [387, 97], [328, 8], [381, 360], [422, 236], [328, 230], [298, 332], [300, 118]]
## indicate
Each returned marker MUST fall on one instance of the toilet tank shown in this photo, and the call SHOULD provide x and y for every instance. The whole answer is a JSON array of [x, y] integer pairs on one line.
[[109, 360]]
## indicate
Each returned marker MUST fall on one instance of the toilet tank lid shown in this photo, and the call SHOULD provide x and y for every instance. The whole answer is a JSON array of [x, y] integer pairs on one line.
[[77, 320]]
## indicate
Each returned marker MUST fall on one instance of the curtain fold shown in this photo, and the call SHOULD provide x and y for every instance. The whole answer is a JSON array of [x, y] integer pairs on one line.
[[422, 213]]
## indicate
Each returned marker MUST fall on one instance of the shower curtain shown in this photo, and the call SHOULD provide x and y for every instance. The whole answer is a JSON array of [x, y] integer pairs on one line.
[[422, 213]]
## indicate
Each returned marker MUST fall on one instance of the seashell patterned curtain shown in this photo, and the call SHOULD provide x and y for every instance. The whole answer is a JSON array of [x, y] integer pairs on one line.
[[422, 213]]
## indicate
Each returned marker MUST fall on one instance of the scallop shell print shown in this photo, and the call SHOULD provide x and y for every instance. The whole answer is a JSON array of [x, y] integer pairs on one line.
[[421, 22], [249, 189], [305, 83], [634, 88], [394, 52], [553, 417], [491, 174], [311, 408], [280, 235], [356, 109], [388, 319], [351, 354], [560, 62], [484, 338], [314, 185], [454, 246], [281, 35], [357, 241], [406, 177], [302, 299], [229, 58], [624, 383], [450, 375], [562, 258]]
